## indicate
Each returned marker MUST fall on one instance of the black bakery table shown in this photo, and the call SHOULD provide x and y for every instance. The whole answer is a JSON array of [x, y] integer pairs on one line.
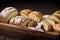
[[12, 32]]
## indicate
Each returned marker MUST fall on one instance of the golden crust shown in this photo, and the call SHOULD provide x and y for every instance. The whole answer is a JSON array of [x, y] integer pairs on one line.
[[57, 13], [25, 23], [55, 18], [35, 15], [25, 12], [56, 27], [19, 21], [51, 22], [38, 14], [46, 25]]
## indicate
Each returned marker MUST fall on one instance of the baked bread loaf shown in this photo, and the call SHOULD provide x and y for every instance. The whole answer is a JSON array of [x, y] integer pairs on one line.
[[55, 18], [46, 25], [57, 13], [32, 23], [19, 20], [35, 15], [25, 12], [56, 27], [8, 13]]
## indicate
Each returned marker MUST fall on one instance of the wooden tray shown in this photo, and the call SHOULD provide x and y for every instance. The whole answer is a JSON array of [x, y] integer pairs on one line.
[[16, 31]]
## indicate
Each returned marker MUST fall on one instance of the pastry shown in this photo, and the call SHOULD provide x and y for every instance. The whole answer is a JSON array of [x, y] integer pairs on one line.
[[46, 25], [57, 13], [20, 21], [56, 27], [55, 18], [25, 12], [8, 13], [35, 15], [32, 23]]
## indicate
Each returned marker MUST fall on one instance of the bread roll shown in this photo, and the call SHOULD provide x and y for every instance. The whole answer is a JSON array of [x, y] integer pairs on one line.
[[57, 13], [35, 15], [25, 12], [46, 25], [26, 22], [56, 27], [20, 21], [55, 18], [51, 22], [8, 13], [12, 20], [32, 23]]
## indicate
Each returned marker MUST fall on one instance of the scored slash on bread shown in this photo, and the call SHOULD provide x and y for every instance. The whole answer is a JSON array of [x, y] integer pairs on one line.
[[8, 13], [57, 13], [20, 21], [51, 22], [55, 18], [25, 12], [35, 15]]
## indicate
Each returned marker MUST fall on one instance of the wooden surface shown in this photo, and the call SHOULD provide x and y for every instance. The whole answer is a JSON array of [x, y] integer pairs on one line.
[[16, 31]]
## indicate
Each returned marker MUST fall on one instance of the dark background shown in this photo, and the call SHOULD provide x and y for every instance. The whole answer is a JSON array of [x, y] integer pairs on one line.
[[45, 7]]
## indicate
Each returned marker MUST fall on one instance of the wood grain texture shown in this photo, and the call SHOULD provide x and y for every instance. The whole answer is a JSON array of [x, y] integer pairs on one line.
[[16, 31]]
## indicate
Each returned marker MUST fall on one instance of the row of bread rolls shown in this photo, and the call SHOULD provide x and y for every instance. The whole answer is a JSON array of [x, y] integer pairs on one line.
[[31, 18], [36, 15], [51, 22], [12, 16]]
